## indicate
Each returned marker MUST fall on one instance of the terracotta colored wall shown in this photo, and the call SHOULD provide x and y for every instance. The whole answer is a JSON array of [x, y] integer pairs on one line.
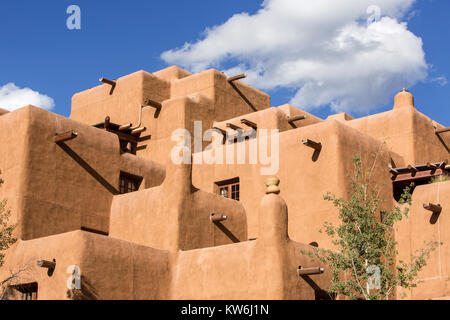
[[110, 268], [172, 73], [244, 271], [407, 132], [13, 143], [43, 183], [304, 181], [272, 118], [211, 90], [122, 105], [262, 269], [177, 113], [115, 269], [153, 173], [176, 215], [214, 85], [422, 227]]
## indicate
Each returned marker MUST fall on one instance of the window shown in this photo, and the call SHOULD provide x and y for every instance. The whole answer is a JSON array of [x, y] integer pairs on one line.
[[127, 146], [229, 189], [416, 175], [23, 291], [129, 183]]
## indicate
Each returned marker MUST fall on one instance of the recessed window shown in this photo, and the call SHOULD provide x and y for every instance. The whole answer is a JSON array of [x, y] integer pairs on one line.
[[417, 175], [127, 146], [26, 291], [229, 189], [129, 182]]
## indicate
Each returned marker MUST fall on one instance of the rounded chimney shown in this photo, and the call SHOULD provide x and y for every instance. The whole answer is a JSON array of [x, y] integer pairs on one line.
[[404, 99]]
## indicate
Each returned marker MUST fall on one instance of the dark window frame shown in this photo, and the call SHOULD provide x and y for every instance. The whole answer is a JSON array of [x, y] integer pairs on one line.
[[229, 188], [29, 291], [129, 182]]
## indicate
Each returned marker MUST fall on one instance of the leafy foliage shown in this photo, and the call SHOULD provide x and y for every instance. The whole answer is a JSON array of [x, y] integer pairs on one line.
[[440, 179], [366, 248], [6, 230]]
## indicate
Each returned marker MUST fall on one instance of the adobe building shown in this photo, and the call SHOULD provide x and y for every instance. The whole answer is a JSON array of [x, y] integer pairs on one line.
[[98, 198]]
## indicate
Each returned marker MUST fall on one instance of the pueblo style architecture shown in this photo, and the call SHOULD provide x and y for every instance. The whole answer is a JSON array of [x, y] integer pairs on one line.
[[104, 212]]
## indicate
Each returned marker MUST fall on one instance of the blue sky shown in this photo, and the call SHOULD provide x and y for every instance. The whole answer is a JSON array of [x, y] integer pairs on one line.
[[120, 37]]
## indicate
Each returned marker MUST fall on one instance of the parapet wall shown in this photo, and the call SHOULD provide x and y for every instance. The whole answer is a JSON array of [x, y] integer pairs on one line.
[[406, 132], [220, 100], [55, 188], [306, 175], [415, 232]]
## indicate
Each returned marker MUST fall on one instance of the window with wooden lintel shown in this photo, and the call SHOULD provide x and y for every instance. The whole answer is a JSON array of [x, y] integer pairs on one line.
[[229, 188], [27, 291], [413, 176], [129, 182]]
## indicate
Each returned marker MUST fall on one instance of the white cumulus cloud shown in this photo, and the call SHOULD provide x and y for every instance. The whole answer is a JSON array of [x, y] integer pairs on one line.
[[338, 53], [12, 97]]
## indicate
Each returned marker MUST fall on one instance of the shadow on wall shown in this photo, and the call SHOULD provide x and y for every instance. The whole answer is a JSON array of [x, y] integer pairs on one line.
[[319, 293], [315, 155], [88, 168], [87, 291], [443, 143], [434, 217], [227, 232]]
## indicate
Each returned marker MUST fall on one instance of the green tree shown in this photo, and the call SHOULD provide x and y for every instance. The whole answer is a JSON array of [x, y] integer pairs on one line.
[[364, 265], [6, 230]]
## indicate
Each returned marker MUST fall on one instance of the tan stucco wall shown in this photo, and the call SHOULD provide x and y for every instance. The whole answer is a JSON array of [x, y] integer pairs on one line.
[[420, 228], [176, 215], [117, 269], [48, 191], [305, 181], [210, 92], [407, 132], [110, 268]]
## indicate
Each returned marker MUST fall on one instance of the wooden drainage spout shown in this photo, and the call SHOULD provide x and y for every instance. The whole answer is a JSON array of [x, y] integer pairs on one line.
[[235, 78], [66, 136], [393, 171], [413, 169], [296, 118], [223, 132], [138, 130], [435, 208], [312, 144], [152, 103], [239, 92], [107, 122], [249, 123], [47, 264], [309, 271], [442, 130], [107, 81], [217, 217], [125, 127], [112, 83], [147, 103], [233, 126], [432, 166]]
